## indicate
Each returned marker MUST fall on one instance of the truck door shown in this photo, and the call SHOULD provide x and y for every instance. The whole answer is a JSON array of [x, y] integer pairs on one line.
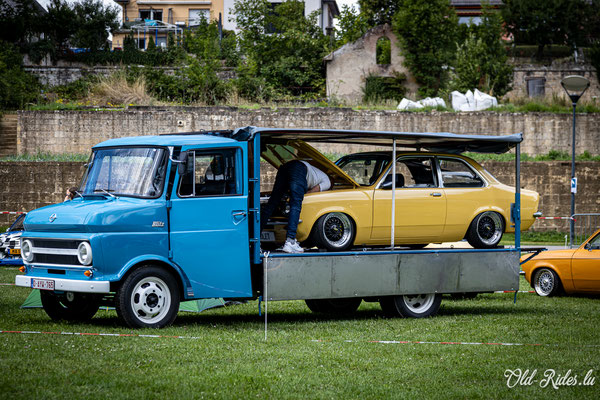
[[209, 222]]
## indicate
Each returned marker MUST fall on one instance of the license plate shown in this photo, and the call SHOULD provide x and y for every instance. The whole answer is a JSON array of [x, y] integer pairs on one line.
[[15, 251], [267, 236], [42, 284]]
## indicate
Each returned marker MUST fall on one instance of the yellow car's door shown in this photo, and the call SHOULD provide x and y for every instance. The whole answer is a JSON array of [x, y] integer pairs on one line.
[[585, 266], [420, 204]]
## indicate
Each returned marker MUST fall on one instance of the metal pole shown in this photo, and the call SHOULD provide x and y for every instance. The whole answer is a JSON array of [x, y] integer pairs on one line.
[[572, 223], [393, 192], [517, 209]]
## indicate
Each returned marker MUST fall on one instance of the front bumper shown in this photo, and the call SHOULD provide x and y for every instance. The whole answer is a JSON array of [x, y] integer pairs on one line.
[[68, 285]]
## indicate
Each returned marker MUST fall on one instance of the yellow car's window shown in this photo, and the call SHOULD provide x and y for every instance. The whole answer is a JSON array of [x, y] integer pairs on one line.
[[416, 171], [456, 173]]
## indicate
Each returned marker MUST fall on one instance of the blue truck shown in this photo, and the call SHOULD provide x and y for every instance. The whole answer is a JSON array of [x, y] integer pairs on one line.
[[146, 232]]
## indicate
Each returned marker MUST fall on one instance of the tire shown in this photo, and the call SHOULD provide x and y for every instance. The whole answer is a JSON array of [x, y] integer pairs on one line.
[[160, 291], [486, 230], [334, 232], [411, 306], [76, 307], [546, 282], [334, 306]]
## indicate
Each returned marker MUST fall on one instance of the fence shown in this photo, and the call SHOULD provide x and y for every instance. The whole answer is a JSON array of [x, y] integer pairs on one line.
[[585, 225]]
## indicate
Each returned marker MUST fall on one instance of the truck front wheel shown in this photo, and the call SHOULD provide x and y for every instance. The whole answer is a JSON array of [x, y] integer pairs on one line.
[[70, 306], [411, 306], [148, 298]]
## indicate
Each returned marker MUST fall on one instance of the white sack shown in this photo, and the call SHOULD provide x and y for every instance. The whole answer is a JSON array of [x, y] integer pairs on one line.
[[407, 104]]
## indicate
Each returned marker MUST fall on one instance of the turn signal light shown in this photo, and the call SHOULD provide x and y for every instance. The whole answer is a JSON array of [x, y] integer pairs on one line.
[[22, 269], [88, 273]]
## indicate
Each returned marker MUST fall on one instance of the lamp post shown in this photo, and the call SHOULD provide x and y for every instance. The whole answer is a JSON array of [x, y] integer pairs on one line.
[[575, 86]]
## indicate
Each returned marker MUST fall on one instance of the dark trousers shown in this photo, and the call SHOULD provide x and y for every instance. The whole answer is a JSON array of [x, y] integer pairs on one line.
[[290, 179]]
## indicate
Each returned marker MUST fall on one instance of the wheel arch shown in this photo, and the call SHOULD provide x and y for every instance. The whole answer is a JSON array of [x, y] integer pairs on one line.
[[481, 210], [161, 262], [547, 265]]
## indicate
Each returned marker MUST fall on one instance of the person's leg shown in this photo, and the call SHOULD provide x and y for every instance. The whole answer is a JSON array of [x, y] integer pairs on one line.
[[279, 189], [297, 185]]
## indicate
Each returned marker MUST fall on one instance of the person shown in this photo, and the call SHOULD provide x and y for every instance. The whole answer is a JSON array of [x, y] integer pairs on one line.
[[295, 178], [71, 193]]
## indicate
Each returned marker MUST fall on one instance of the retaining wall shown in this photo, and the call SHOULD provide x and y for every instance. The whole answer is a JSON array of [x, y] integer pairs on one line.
[[30, 185], [78, 131]]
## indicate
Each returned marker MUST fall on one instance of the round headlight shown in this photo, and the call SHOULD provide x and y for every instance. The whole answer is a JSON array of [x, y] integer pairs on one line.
[[84, 253], [27, 250]]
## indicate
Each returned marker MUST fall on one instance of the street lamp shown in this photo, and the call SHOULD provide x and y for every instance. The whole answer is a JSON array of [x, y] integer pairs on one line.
[[575, 86]]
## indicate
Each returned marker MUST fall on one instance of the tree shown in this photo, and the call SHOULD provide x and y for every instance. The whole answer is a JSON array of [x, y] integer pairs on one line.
[[427, 31], [290, 58], [353, 24], [20, 22], [378, 12], [59, 26], [17, 87], [94, 22], [481, 60], [547, 22]]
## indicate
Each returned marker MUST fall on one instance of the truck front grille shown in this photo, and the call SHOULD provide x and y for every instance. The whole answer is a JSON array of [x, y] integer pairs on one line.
[[55, 252]]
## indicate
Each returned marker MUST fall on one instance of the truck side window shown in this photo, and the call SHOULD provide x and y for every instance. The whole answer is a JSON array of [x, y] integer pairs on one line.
[[209, 174]]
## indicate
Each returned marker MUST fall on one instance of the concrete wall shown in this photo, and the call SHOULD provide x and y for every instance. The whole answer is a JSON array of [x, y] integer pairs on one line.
[[78, 131], [30, 185], [553, 74], [348, 66]]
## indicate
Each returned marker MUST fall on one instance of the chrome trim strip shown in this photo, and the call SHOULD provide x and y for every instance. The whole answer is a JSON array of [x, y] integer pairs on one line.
[[62, 252], [36, 264], [68, 285]]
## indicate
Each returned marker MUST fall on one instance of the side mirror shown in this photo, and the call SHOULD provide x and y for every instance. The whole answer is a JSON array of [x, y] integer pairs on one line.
[[181, 162]]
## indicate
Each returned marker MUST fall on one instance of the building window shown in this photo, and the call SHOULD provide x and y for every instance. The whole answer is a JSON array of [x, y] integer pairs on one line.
[[197, 16], [383, 52], [536, 86], [151, 14]]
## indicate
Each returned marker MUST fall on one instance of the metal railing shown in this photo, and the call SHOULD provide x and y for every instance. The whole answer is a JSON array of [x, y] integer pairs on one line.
[[585, 225]]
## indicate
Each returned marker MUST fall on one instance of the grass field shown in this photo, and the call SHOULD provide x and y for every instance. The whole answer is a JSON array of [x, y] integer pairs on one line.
[[224, 353]]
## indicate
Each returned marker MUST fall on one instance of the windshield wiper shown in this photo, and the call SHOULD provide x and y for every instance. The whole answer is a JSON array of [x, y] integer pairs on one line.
[[105, 192]]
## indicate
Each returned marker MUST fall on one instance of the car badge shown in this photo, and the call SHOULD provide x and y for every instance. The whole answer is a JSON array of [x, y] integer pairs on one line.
[[158, 224], [52, 218]]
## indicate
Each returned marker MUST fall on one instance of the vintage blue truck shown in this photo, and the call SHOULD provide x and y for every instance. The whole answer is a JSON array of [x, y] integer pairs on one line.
[[147, 231]]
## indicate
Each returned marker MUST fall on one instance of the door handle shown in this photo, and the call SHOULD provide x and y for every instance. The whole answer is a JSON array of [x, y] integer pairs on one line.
[[435, 194], [239, 214]]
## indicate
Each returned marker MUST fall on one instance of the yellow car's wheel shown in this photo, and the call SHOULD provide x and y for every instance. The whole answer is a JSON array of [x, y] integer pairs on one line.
[[486, 230], [334, 231]]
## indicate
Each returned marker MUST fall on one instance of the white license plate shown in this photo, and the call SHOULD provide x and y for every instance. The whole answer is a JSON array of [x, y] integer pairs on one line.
[[267, 236], [42, 284]]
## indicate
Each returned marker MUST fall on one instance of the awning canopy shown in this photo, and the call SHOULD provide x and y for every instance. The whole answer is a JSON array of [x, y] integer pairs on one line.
[[438, 142]]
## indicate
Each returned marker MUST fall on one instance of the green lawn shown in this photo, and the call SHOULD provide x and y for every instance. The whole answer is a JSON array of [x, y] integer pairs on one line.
[[224, 353]]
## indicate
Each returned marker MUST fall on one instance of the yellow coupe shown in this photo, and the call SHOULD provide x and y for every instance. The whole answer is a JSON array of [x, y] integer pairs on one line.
[[570, 270], [439, 198]]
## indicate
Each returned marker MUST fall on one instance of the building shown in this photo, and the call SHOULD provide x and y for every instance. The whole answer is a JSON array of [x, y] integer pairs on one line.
[[350, 65], [469, 11], [328, 11], [159, 18]]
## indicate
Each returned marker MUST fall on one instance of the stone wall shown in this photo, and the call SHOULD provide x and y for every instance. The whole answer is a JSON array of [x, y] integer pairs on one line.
[[30, 185], [78, 131], [551, 75]]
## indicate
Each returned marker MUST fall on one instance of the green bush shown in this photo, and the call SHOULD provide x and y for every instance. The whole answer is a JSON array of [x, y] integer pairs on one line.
[[379, 88], [17, 87]]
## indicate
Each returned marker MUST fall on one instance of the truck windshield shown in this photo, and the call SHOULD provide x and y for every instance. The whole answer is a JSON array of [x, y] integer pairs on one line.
[[131, 171]]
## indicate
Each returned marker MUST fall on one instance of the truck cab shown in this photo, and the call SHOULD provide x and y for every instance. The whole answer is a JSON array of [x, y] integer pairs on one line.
[[156, 220]]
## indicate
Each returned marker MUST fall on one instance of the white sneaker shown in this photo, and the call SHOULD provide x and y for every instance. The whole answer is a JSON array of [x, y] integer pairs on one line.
[[292, 246]]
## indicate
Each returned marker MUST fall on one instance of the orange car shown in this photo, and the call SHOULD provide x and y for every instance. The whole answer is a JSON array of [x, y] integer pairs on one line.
[[571, 270]]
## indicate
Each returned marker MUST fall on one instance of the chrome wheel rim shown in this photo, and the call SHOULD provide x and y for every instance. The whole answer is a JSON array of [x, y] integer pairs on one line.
[[151, 300], [337, 229], [489, 228], [419, 303], [544, 284]]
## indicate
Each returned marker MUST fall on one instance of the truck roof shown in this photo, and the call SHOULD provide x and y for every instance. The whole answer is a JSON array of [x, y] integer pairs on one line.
[[167, 140]]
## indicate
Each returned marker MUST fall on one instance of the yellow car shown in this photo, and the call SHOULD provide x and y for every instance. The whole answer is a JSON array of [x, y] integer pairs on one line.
[[439, 198], [571, 270]]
